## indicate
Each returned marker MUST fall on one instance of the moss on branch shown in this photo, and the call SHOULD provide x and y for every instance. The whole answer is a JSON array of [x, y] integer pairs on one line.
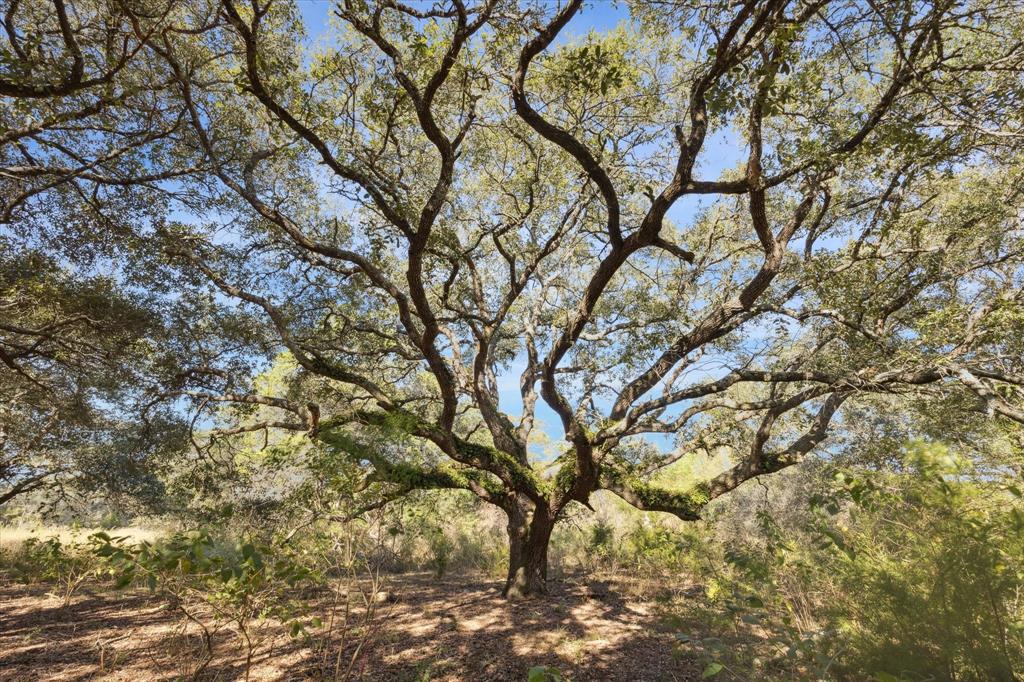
[[643, 495], [483, 462]]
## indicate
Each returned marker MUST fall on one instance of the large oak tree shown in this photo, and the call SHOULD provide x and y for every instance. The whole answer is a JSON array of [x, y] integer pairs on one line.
[[718, 225]]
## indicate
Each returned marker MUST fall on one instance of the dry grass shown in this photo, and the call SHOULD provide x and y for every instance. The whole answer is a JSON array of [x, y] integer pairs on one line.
[[12, 537]]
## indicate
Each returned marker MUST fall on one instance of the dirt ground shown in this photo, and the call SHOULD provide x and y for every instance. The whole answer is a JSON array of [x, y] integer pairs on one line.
[[453, 629]]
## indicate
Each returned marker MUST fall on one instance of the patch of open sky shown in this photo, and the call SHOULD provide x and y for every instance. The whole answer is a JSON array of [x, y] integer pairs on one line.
[[315, 16], [723, 150], [599, 15]]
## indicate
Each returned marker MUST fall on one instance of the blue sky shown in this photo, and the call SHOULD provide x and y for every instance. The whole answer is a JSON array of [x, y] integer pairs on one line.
[[598, 14]]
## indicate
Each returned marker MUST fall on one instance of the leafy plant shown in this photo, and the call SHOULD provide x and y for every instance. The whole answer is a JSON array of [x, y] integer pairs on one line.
[[906, 574], [245, 587], [544, 673], [66, 565]]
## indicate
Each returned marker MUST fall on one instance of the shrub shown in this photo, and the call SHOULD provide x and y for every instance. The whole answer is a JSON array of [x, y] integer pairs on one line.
[[653, 548], [900, 575], [928, 572], [111, 520], [441, 548], [601, 539], [244, 587], [66, 565]]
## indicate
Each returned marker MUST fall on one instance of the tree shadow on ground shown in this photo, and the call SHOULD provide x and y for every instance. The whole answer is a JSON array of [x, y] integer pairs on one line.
[[131, 636], [458, 628]]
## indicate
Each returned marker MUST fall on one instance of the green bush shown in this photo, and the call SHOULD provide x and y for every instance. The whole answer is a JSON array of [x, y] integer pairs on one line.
[[67, 566], [441, 548], [652, 547], [601, 540], [111, 520], [928, 572], [244, 587], [901, 575]]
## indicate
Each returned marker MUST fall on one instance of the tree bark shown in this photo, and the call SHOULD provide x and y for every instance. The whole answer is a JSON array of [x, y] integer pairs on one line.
[[528, 535]]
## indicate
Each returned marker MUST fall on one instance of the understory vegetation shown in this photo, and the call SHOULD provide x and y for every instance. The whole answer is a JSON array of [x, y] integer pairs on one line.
[[912, 572]]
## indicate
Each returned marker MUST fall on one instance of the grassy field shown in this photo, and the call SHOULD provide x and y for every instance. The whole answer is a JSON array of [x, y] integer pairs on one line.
[[12, 537]]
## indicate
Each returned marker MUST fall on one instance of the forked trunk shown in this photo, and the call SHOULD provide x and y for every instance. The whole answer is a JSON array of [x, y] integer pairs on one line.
[[528, 555]]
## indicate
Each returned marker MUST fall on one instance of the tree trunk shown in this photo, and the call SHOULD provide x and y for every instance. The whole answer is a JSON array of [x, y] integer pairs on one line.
[[528, 554]]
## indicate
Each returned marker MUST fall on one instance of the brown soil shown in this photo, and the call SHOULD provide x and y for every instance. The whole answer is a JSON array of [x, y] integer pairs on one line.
[[454, 629]]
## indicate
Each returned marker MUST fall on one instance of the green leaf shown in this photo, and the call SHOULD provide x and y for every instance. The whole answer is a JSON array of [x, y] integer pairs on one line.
[[712, 670], [886, 677], [543, 673]]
